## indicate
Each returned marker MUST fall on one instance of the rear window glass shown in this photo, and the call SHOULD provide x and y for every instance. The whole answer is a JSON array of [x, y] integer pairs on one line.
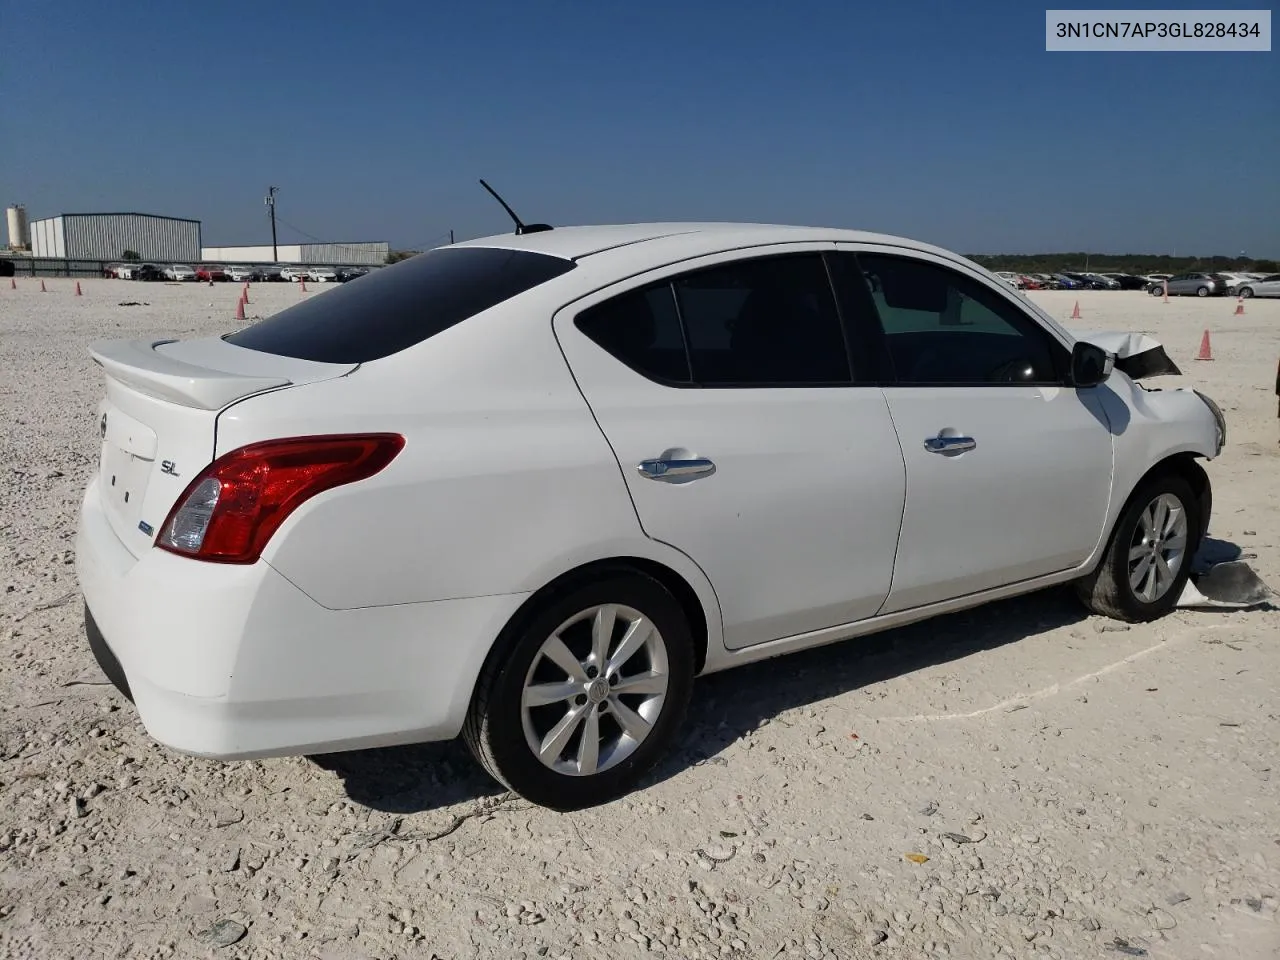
[[398, 306]]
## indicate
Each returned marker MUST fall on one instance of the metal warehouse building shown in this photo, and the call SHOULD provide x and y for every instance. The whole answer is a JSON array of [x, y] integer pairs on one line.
[[106, 236], [316, 254]]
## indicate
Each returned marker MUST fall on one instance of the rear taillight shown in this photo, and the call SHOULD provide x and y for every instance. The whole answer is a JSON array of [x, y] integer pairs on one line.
[[228, 513]]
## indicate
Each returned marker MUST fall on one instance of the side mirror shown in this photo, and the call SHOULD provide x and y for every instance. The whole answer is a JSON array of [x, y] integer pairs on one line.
[[1090, 364]]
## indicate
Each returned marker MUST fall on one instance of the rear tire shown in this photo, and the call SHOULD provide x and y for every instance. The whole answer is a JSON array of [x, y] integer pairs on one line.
[[1148, 559], [539, 704], [1246, 292], [1202, 291]]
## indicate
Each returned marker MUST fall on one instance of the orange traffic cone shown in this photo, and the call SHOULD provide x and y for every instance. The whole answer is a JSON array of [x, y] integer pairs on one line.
[[78, 293], [1075, 313], [304, 285], [246, 291], [42, 289], [1205, 352], [239, 309], [1239, 307]]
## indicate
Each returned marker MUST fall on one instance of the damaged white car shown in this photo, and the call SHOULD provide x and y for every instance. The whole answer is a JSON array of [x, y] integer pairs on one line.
[[527, 488]]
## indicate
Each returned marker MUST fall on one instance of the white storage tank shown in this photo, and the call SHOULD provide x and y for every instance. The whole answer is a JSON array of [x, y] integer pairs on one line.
[[19, 231]]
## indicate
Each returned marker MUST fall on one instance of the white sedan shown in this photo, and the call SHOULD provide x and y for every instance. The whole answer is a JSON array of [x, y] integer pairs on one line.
[[239, 273], [1268, 286], [323, 274], [179, 271], [526, 488]]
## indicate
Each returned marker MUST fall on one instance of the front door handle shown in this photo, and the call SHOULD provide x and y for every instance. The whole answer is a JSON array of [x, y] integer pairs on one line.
[[676, 471], [950, 444]]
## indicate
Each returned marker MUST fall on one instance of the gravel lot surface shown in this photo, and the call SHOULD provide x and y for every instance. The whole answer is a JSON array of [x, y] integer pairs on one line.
[[1018, 781]]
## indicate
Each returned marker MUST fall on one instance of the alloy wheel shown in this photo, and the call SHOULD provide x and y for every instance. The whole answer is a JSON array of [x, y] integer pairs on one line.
[[1158, 549], [594, 690]]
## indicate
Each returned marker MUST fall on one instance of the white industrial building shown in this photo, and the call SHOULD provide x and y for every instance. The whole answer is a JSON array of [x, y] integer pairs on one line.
[[106, 236], [336, 254]]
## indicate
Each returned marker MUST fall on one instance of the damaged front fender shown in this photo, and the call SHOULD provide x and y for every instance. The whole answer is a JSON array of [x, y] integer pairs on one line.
[[1137, 354]]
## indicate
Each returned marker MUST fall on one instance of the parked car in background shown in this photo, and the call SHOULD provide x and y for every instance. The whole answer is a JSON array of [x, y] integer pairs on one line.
[[293, 272], [1067, 283], [1010, 278], [1188, 284], [346, 274], [1047, 281], [7, 269], [1028, 282], [239, 273], [323, 275], [1089, 281], [147, 271], [208, 272], [124, 271], [1156, 277], [1234, 280], [1128, 281], [267, 273], [1268, 286], [471, 495], [179, 271]]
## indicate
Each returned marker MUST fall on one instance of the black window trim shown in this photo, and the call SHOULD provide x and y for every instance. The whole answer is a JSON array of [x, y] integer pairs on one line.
[[669, 282], [888, 377]]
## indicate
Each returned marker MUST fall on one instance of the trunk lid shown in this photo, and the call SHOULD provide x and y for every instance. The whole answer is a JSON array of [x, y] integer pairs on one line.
[[158, 420]]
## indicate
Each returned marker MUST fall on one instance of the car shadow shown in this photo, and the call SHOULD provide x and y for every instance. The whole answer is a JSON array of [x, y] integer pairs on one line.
[[726, 706]]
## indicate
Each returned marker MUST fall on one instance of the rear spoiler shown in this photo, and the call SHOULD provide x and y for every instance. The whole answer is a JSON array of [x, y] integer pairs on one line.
[[138, 364], [1137, 355]]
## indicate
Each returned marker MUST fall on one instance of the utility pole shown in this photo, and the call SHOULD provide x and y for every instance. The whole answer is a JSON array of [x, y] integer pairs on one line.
[[270, 201], [450, 238]]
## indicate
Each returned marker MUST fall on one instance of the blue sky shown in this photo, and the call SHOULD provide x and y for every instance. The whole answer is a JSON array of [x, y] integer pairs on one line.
[[946, 122]]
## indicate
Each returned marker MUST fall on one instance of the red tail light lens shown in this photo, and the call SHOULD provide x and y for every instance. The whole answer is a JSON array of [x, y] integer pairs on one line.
[[229, 512]]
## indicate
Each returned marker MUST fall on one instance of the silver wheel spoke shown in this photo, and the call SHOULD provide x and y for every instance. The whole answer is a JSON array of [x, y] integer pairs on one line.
[[589, 748], [642, 683], [1159, 516], [602, 634], [1139, 572], [1148, 524], [555, 651], [1164, 576], [635, 726], [1176, 543], [553, 743], [636, 636], [1138, 552], [541, 694], [1148, 591], [1171, 524]]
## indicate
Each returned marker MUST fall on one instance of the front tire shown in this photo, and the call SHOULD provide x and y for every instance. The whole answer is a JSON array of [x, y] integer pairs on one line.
[[1246, 292], [1148, 560], [1202, 291], [580, 698]]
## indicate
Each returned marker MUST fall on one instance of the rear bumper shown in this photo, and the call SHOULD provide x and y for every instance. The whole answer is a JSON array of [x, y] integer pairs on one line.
[[236, 662]]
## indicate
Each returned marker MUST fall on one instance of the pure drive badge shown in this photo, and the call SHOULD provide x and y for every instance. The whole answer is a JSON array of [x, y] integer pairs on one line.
[[145, 527]]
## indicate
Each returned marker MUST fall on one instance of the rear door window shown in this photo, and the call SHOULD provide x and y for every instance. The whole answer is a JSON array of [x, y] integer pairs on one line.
[[399, 306]]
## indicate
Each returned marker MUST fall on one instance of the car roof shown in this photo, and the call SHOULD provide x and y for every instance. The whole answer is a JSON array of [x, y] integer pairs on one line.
[[680, 239]]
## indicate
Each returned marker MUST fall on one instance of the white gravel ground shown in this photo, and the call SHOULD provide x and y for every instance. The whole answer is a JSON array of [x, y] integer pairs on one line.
[[1079, 788]]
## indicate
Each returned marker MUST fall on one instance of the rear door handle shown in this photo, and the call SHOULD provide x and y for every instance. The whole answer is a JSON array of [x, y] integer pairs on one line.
[[676, 471], [950, 444]]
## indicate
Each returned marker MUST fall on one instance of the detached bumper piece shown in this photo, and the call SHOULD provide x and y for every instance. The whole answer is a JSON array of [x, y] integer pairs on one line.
[[106, 659]]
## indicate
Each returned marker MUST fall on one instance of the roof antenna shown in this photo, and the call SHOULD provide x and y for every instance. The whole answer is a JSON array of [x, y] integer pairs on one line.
[[521, 226]]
